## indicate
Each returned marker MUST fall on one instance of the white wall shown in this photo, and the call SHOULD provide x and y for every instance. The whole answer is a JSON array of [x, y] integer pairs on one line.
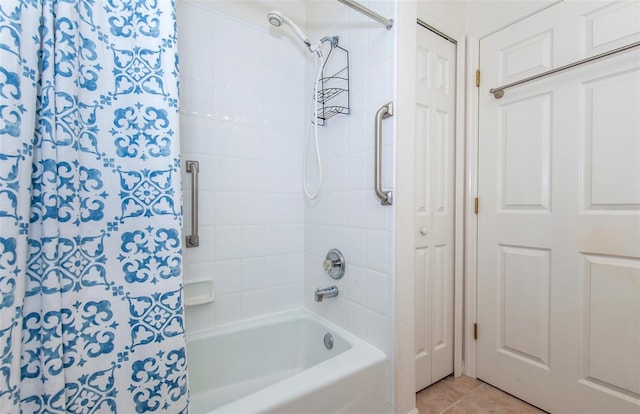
[[241, 117], [475, 17], [255, 11], [404, 310], [448, 16], [483, 17]]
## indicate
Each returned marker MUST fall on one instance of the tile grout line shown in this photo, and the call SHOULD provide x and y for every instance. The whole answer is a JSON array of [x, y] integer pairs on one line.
[[452, 405], [464, 395], [449, 387]]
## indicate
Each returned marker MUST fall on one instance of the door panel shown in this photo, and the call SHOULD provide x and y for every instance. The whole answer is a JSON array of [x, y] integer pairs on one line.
[[559, 220], [524, 301], [524, 153], [611, 154], [434, 209], [611, 286]]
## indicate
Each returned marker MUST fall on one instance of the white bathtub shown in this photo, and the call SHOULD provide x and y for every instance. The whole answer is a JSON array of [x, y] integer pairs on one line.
[[279, 364]]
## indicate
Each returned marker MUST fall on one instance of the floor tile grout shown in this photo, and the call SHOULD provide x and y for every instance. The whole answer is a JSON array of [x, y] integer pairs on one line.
[[455, 402], [459, 398]]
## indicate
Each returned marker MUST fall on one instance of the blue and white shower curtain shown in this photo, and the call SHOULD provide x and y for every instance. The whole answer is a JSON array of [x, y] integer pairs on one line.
[[91, 314]]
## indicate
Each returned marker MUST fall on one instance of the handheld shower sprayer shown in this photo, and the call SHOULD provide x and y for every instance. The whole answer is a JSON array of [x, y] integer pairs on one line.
[[277, 19]]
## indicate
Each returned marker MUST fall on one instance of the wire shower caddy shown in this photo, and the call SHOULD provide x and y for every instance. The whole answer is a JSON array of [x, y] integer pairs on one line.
[[333, 95]]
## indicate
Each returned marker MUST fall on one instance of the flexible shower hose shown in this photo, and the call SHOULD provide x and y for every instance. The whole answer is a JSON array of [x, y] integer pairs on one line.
[[314, 118]]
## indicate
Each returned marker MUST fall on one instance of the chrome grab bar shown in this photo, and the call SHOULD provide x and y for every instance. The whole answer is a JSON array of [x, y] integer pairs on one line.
[[386, 197], [193, 167]]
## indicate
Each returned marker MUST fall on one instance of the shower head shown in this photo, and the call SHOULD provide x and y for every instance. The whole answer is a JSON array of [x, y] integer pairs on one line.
[[276, 18]]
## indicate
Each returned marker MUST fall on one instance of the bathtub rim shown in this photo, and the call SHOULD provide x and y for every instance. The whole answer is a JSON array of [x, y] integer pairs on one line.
[[360, 356]]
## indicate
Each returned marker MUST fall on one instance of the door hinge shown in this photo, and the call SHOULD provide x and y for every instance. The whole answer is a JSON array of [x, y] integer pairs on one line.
[[475, 331], [476, 204], [478, 78]]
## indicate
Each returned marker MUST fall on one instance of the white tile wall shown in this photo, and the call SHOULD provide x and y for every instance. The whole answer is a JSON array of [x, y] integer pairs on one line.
[[242, 118], [244, 94], [348, 216]]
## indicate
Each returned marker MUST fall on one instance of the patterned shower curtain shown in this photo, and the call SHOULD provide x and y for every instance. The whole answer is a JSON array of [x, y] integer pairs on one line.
[[91, 314]]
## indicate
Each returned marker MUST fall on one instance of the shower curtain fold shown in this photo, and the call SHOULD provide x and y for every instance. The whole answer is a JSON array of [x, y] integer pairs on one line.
[[91, 313]]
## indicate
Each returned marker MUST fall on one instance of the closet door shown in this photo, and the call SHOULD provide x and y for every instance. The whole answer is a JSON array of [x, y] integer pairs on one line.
[[559, 219], [434, 210]]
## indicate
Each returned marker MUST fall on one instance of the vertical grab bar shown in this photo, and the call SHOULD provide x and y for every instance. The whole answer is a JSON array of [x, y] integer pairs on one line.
[[193, 167], [386, 197]]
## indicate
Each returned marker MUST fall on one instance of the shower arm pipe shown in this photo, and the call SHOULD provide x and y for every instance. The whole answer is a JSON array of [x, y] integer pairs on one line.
[[193, 167], [388, 23]]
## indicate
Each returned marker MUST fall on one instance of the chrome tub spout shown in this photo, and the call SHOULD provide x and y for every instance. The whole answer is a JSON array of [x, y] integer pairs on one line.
[[327, 292]]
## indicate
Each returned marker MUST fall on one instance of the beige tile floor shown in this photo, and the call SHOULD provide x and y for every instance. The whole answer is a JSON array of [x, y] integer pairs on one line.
[[465, 395]]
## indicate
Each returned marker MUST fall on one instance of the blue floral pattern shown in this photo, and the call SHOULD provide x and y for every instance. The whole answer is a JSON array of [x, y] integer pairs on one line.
[[142, 132], [150, 255], [155, 317], [145, 193], [138, 71], [91, 311]]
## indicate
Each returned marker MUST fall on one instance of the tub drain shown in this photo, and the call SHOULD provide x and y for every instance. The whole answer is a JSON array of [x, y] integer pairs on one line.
[[328, 341]]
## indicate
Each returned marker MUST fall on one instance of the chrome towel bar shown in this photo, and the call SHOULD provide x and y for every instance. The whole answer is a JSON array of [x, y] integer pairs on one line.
[[499, 91], [386, 111], [193, 167]]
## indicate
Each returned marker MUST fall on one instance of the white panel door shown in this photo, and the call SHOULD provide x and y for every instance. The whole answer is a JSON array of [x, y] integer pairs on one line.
[[434, 209], [559, 219]]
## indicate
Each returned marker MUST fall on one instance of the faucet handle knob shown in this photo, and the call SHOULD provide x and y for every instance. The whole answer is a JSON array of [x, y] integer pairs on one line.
[[334, 264], [327, 265]]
